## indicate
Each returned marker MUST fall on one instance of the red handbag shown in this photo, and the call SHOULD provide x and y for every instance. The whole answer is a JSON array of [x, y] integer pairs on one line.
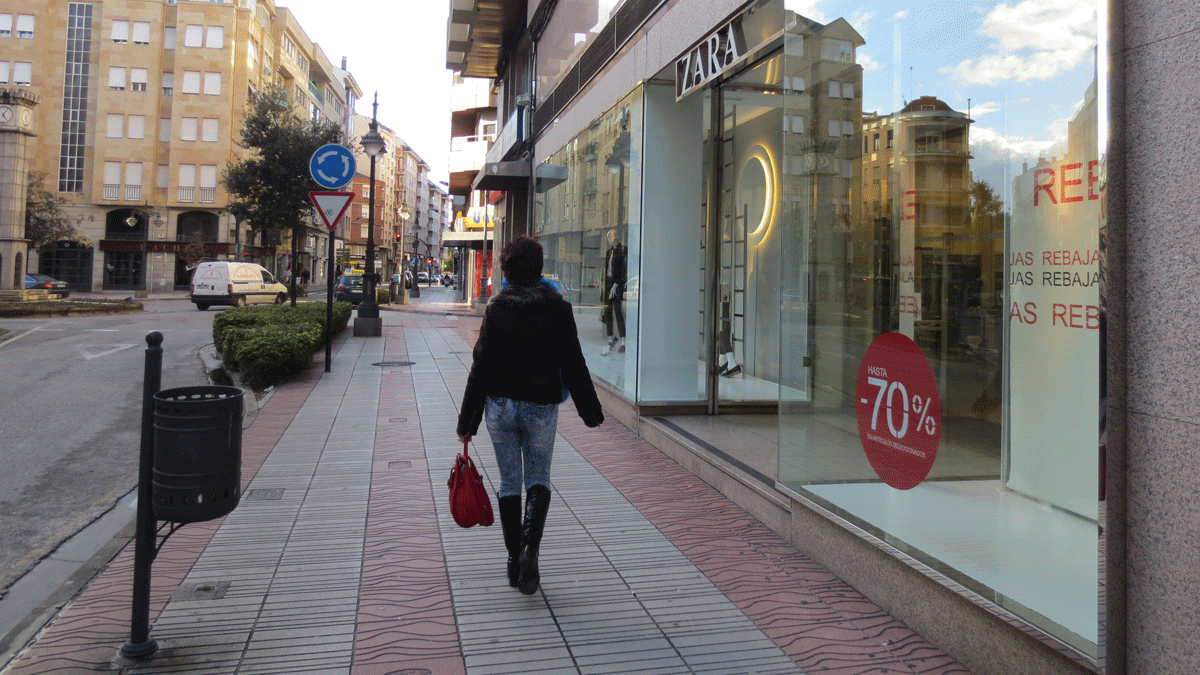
[[469, 502]]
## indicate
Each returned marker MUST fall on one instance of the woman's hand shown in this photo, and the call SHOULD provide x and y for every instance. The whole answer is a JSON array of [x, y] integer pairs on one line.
[[464, 439]]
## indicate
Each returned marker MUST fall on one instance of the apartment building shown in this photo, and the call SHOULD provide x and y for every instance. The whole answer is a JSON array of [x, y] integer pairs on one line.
[[138, 118]]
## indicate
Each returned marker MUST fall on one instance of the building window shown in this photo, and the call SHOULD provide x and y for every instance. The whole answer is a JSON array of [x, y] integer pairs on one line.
[[164, 128], [191, 82], [112, 180], [848, 90], [75, 97], [168, 84], [187, 183], [847, 129], [137, 79], [835, 128], [6, 25], [3, 72], [889, 138], [169, 37], [116, 78], [835, 89], [25, 26], [212, 84], [210, 129], [208, 183], [22, 73], [137, 126], [875, 143], [133, 181], [214, 37], [164, 172], [187, 128], [120, 32], [141, 32], [116, 126], [193, 36]]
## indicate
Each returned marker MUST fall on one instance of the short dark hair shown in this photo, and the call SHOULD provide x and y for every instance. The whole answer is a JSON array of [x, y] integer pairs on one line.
[[521, 261]]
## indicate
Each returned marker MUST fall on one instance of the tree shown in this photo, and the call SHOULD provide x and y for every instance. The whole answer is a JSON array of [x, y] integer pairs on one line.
[[270, 185], [987, 211], [45, 221]]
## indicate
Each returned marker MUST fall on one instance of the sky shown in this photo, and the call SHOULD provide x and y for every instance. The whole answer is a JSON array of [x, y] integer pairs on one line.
[[398, 49]]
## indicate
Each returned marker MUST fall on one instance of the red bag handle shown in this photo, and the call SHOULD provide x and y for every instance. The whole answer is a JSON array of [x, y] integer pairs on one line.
[[465, 443]]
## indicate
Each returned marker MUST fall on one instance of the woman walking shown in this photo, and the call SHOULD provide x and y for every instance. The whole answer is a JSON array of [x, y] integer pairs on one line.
[[528, 352]]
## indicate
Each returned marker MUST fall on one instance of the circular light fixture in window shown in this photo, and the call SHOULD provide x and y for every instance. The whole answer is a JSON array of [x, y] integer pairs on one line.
[[756, 194]]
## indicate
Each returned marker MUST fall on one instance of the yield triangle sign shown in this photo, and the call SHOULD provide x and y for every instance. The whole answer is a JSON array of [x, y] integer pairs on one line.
[[331, 205]]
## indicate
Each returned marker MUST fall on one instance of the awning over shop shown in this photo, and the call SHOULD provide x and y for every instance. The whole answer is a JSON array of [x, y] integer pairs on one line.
[[478, 240], [514, 176]]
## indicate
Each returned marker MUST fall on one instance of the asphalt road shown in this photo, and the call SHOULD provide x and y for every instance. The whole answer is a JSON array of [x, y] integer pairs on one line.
[[70, 417]]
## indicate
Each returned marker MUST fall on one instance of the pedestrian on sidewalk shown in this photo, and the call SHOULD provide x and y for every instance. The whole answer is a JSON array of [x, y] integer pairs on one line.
[[527, 354]]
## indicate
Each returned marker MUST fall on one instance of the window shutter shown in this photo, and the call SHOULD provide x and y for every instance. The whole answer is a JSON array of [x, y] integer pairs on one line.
[[163, 175], [23, 73], [169, 37], [164, 129], [137, 126], [208, 175], [191, 82], [3, 72], [847, 128], [120, 31], [133, 173], [215, 37], [187, 175], [212, 84], [848, 90], [112, 173], [187, 129], [193, 36], [141, 32], [835, 128], [210, 130], [116, 77], [835, 89], [116, 126]]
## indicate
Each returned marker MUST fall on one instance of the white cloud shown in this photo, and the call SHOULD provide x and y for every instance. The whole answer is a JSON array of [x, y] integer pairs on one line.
[[1035, 40], [901, 15], [986, 108], [868, 64], [806, 8]]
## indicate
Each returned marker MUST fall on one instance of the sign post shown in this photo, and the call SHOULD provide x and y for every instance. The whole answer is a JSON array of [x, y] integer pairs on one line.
[[331, 206]]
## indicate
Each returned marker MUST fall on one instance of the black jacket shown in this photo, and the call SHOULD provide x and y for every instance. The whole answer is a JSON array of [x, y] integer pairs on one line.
[[528, 348]]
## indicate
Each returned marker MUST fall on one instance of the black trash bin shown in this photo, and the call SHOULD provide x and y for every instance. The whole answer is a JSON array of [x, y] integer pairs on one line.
[[197, 453]]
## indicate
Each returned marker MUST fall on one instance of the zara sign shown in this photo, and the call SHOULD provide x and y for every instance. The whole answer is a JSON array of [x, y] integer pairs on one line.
[[710, 57]]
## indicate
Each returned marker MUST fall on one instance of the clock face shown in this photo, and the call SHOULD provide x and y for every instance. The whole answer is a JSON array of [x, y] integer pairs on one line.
[[6, 114], [824, 161], [809, 162], [26, 117]]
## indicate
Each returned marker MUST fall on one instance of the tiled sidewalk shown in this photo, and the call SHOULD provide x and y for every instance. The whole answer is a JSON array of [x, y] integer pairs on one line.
[[343, 557]]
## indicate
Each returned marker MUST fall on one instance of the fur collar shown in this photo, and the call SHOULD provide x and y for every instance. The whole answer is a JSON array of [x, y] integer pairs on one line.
[[517, 295]]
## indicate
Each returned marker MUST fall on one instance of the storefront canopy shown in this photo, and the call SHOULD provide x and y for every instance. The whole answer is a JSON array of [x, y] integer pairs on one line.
[[514, 176]]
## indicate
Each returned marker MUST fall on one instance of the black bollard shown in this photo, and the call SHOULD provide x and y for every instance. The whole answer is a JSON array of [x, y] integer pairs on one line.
[[140, 644]]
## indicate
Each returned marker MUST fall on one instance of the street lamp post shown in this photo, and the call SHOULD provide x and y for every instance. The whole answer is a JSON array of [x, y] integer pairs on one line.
[[368, 323], [132, 222], [404, 213]]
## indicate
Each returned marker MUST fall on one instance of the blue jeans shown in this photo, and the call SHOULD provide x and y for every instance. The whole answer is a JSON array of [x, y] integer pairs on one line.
[[523, 436]]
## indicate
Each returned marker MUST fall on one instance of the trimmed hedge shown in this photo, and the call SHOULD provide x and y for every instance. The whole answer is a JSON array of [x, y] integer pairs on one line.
[[269, 343]]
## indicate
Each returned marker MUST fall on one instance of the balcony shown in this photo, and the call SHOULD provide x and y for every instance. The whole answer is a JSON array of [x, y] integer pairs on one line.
[[208, 195], [187, 195], [133, 193], [467, 153], [111, 191]]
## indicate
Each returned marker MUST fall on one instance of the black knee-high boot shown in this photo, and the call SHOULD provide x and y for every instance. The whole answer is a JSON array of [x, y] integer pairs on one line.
[[510, 522], [537, 502]]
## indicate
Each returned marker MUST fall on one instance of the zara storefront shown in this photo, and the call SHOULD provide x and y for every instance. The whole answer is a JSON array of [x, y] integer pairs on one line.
[[882, 224]]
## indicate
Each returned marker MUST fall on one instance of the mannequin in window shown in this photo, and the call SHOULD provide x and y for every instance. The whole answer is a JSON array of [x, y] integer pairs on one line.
[[614, 291], [727, 364]]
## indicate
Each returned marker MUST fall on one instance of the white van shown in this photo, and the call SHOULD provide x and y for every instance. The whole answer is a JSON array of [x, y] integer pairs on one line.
[[234, 283]]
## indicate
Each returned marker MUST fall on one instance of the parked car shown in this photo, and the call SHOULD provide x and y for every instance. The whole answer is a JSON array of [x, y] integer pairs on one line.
[[422, 277], [41, 281], [349, 288], [408, 279], [222, 282]]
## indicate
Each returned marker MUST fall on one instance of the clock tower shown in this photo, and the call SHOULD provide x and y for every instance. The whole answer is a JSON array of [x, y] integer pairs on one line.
[[16, 132]]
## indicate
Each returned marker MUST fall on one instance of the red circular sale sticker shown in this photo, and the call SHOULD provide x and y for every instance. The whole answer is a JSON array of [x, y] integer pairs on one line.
[[899, 413]]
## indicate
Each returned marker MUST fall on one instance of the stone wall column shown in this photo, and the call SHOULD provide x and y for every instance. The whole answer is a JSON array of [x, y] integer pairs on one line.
[[16, 134]]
